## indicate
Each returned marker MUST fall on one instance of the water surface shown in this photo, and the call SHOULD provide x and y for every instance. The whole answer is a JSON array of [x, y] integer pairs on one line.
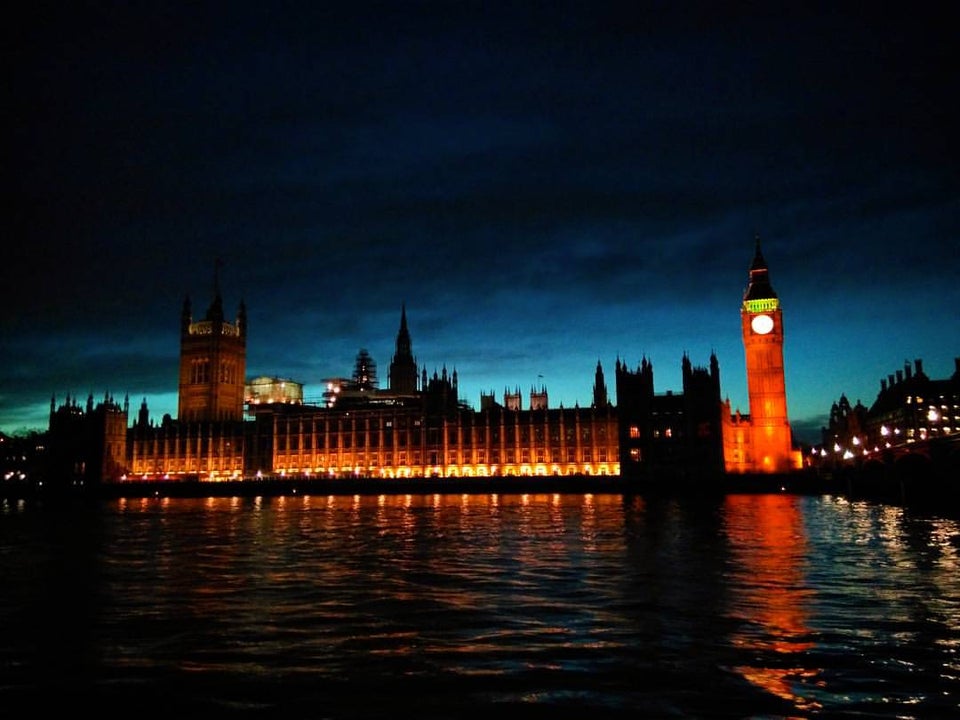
[[443, 605]]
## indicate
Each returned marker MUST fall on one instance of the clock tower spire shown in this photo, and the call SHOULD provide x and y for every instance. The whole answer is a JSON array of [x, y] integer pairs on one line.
[[771, 446]]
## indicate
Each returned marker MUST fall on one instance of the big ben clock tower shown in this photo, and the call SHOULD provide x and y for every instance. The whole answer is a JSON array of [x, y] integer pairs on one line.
[[771, 447]]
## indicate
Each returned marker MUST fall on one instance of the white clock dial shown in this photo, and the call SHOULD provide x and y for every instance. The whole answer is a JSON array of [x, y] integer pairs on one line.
[[762, 324]]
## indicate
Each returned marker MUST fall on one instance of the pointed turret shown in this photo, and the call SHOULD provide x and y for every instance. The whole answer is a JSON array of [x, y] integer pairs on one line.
[[600, 398]]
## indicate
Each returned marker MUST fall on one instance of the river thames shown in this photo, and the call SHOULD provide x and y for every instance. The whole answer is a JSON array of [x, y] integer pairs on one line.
[[539, 605]]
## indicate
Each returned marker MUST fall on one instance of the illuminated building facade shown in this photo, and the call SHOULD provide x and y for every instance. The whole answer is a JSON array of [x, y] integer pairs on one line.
[[269, 390], [213, 363], [419, 427], [761, 442], [405, 441], [910, 409]]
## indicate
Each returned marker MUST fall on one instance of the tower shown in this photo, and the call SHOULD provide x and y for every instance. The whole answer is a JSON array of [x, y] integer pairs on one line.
[[403, 368], [538, 398], [762, 325], [213, 363]]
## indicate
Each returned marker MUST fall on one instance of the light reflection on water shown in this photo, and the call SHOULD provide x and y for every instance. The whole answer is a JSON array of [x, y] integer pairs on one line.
[[768, 548], [748, 606]]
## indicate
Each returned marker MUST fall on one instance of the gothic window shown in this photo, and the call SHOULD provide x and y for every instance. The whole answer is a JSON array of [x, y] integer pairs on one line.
[[200, 371]]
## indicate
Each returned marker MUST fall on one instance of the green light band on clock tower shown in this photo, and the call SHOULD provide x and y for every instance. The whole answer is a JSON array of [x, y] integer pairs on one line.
[[761, 305]]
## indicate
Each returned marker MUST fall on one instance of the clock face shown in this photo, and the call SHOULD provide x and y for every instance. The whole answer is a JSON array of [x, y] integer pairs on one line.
[[761, 324]]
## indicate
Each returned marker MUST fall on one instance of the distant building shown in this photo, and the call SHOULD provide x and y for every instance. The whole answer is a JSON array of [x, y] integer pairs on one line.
[[418, 426], [266, 390], [87, 443], [22, 457], [910, 408]]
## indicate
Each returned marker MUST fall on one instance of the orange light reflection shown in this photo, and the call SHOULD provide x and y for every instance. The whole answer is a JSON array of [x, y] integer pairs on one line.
[[767, 545]]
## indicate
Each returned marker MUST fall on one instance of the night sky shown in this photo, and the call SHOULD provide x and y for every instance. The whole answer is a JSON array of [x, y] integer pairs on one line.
[[542, 185]]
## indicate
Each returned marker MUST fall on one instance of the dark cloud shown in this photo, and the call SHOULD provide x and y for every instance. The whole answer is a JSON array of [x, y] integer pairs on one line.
[[543, 185]]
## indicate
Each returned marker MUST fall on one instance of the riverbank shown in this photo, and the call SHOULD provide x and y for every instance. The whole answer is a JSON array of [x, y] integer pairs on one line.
[[855, 487], [277, 486]]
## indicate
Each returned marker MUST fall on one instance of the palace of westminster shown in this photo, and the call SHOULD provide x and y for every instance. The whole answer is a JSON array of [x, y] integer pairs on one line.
[[232, 428]]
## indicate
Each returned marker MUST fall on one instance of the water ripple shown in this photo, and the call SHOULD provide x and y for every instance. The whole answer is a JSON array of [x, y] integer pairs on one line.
[[751, 606]]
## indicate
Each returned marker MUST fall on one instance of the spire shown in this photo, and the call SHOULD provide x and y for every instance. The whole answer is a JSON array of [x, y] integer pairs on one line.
[[403, 367], [216, 276], [759, 287], [186, 316], [403, 336], [600, 397], [215, 311], [758, 261]]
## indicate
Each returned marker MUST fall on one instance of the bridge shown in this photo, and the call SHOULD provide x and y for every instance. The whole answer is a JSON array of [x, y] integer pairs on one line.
[[926, 470]]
